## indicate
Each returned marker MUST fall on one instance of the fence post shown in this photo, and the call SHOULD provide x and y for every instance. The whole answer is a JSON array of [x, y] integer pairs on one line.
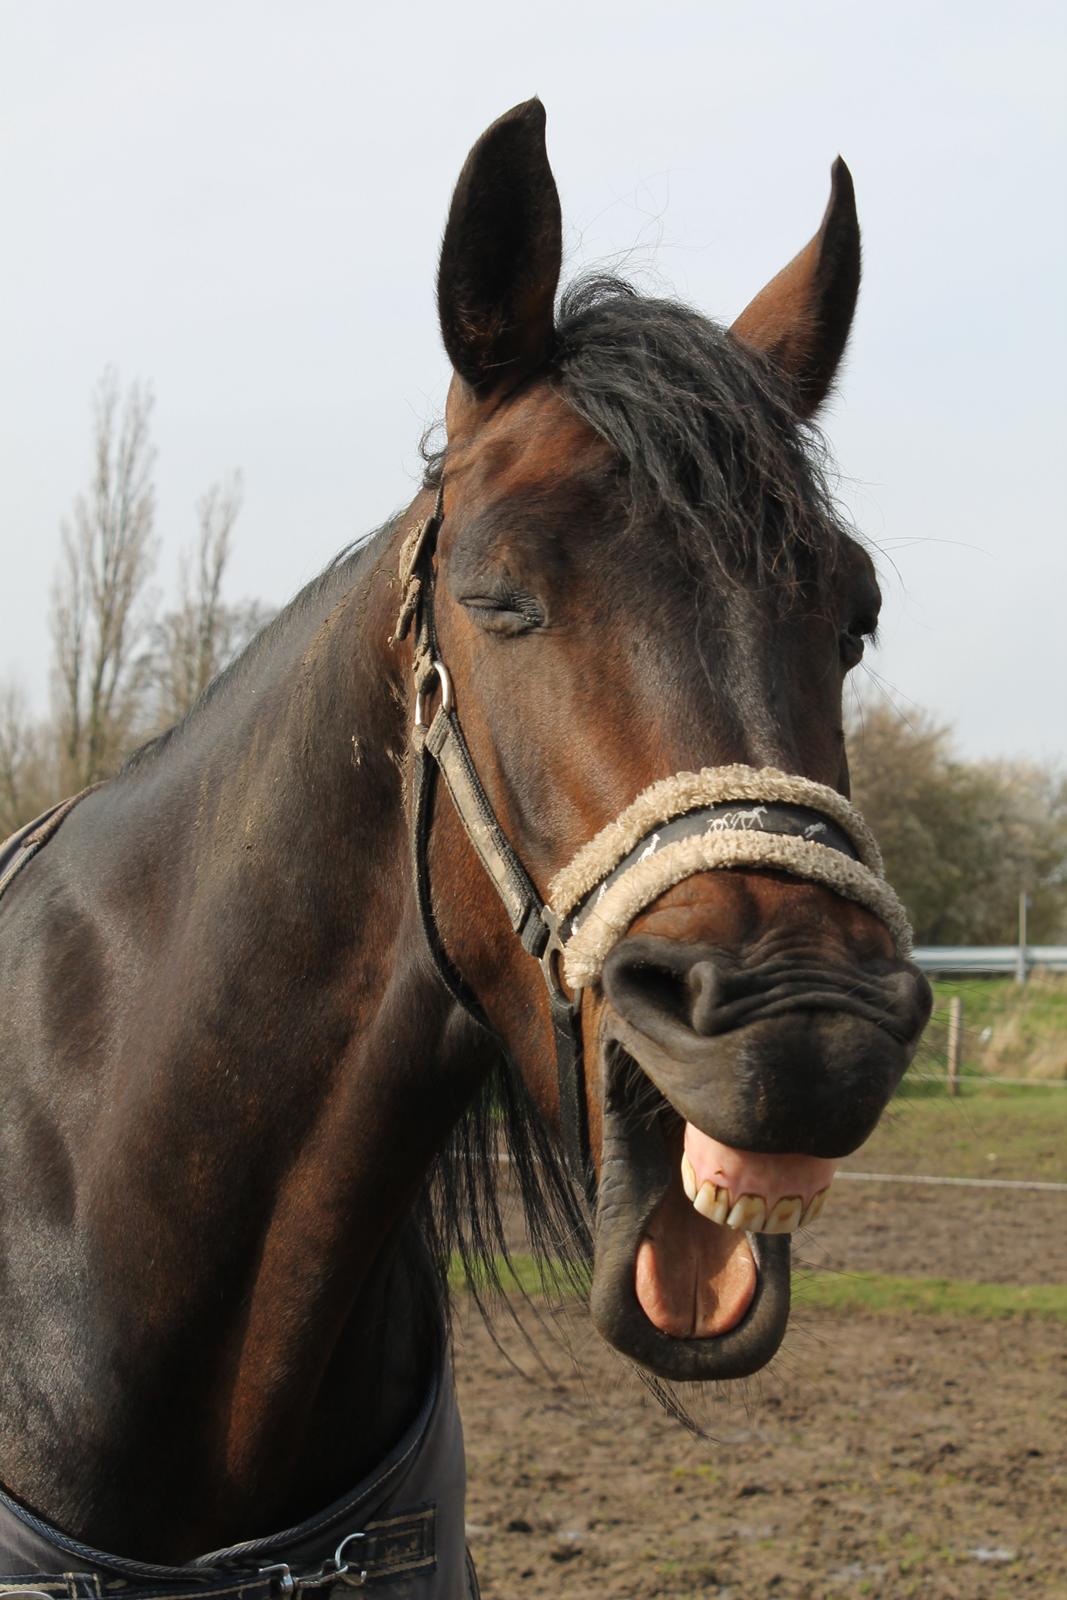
[[1021, 963], [955, 1008]]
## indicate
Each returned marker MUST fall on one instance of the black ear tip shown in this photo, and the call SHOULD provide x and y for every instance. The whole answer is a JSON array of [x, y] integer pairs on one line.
[[528, 115], [841, 186], [532, 111]]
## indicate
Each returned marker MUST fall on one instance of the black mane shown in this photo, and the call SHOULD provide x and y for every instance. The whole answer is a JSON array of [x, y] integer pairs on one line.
[[713, 447]]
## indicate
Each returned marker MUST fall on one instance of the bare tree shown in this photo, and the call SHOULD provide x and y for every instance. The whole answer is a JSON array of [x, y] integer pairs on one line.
[[193, 643], [961, 838], [26, 785], [98, 623]]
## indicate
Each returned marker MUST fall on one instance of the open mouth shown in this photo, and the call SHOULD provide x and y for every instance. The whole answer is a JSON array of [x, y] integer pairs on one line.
[[697, 1266], [692, 1272]]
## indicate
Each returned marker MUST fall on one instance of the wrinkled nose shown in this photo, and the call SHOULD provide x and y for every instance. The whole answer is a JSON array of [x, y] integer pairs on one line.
[[677, 994]]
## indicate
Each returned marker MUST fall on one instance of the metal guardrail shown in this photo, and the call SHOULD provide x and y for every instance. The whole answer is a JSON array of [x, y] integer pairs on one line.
[[991, 960]]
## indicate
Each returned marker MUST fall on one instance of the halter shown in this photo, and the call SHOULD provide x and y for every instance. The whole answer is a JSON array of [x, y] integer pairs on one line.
[[691, 822]]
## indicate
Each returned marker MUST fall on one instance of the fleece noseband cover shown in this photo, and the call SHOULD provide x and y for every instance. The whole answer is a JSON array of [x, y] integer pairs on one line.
[[735, 816]]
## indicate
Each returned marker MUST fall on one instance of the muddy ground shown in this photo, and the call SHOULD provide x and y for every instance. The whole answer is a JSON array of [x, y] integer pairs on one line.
[[879, 1456]]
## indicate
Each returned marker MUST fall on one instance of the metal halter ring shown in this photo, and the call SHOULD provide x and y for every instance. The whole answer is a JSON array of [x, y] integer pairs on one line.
[[354, 1577], [441, 673]]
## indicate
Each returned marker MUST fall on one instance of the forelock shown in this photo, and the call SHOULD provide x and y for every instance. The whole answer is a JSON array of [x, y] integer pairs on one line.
[[711, 447]]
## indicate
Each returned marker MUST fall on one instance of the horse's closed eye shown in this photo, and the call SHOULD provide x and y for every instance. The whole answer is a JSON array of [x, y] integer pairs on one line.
[[507, 613]]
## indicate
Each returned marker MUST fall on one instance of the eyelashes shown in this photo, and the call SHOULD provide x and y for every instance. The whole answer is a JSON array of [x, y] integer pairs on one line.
[[506, 611], [855, 638]]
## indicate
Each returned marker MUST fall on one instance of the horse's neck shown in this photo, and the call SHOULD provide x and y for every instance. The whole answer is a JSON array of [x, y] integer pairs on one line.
[[243, 1318]]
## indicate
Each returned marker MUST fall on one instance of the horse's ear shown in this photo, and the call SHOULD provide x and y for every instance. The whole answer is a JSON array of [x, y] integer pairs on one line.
[[501, 257], [801, 320]]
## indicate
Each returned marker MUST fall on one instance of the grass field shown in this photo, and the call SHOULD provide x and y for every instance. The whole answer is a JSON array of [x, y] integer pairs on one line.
[[880, 1293], [872, 1292], [1009, 1029], [989, 1131]]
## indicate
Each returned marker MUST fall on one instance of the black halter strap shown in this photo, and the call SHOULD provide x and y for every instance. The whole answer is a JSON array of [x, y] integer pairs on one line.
[[440, 747]]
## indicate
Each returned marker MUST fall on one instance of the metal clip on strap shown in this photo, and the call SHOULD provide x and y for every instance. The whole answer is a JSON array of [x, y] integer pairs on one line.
[[338, 1569]]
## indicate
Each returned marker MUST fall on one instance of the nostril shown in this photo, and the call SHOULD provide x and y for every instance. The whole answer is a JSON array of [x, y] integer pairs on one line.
[[660, 986], [705, 992], [640, 988]]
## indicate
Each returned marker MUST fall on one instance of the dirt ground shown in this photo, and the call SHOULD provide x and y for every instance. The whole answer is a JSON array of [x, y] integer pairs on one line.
[[880, 1456]]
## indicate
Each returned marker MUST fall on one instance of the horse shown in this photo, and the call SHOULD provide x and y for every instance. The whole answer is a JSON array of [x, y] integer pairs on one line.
[[524, 828]]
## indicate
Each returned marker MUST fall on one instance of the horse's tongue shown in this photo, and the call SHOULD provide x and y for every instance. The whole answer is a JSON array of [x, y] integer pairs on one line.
[[693, 1279]]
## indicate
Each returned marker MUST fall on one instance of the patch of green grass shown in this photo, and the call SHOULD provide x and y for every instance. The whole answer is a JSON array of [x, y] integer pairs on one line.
[[993, 1133], [701, 1469], [1009, 1029], [874, 1292], [520, 1275], [880, 1294]]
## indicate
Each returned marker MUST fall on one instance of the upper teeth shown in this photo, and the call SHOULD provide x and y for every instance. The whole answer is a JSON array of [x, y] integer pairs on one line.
[[712, 1203], [749, 1212]]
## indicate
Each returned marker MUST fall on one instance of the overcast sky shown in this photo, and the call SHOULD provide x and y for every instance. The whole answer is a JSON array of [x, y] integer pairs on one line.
[[242, 203]]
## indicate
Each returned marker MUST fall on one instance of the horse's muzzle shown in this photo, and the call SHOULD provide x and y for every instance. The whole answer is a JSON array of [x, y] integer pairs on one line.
[[793, 1053], [733, 1080]]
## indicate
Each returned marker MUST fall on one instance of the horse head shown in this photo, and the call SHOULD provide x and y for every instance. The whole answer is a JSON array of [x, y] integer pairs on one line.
[[646, 606]]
